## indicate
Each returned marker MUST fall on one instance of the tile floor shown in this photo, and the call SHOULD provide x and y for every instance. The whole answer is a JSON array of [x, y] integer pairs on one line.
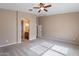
[[40, 47]]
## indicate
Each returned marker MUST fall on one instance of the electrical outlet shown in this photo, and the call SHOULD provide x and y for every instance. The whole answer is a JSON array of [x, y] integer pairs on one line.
[[6, 40]]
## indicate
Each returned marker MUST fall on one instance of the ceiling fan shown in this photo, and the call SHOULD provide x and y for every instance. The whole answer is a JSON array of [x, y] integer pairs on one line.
[[42, 6]]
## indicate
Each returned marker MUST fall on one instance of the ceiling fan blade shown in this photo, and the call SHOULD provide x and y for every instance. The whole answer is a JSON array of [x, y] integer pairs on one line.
[[36, 7], [41, 4], [45, 10], [39, 10], [47, 6]]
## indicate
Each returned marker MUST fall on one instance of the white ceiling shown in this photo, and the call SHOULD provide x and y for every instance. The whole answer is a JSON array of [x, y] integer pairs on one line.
[[57, 8]]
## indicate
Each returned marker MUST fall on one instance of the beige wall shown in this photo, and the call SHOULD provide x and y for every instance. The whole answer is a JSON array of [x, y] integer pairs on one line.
[[62, 26], [10, 29], [7, 27]]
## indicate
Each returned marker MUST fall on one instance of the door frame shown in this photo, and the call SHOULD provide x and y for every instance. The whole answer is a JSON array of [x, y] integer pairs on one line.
[[22, 34]]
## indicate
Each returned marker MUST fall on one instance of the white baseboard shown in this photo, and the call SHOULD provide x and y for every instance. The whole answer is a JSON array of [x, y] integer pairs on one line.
[[70, 42], [8, 44]]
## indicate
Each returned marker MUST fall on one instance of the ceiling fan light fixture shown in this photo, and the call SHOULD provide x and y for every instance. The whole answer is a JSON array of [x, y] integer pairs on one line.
[[42, 8]]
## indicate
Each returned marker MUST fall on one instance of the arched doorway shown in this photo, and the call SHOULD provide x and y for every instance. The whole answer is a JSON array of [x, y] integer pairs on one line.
[[25, 28]]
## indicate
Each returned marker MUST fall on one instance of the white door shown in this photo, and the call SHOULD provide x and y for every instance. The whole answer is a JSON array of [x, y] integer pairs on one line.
[[39, 31]]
